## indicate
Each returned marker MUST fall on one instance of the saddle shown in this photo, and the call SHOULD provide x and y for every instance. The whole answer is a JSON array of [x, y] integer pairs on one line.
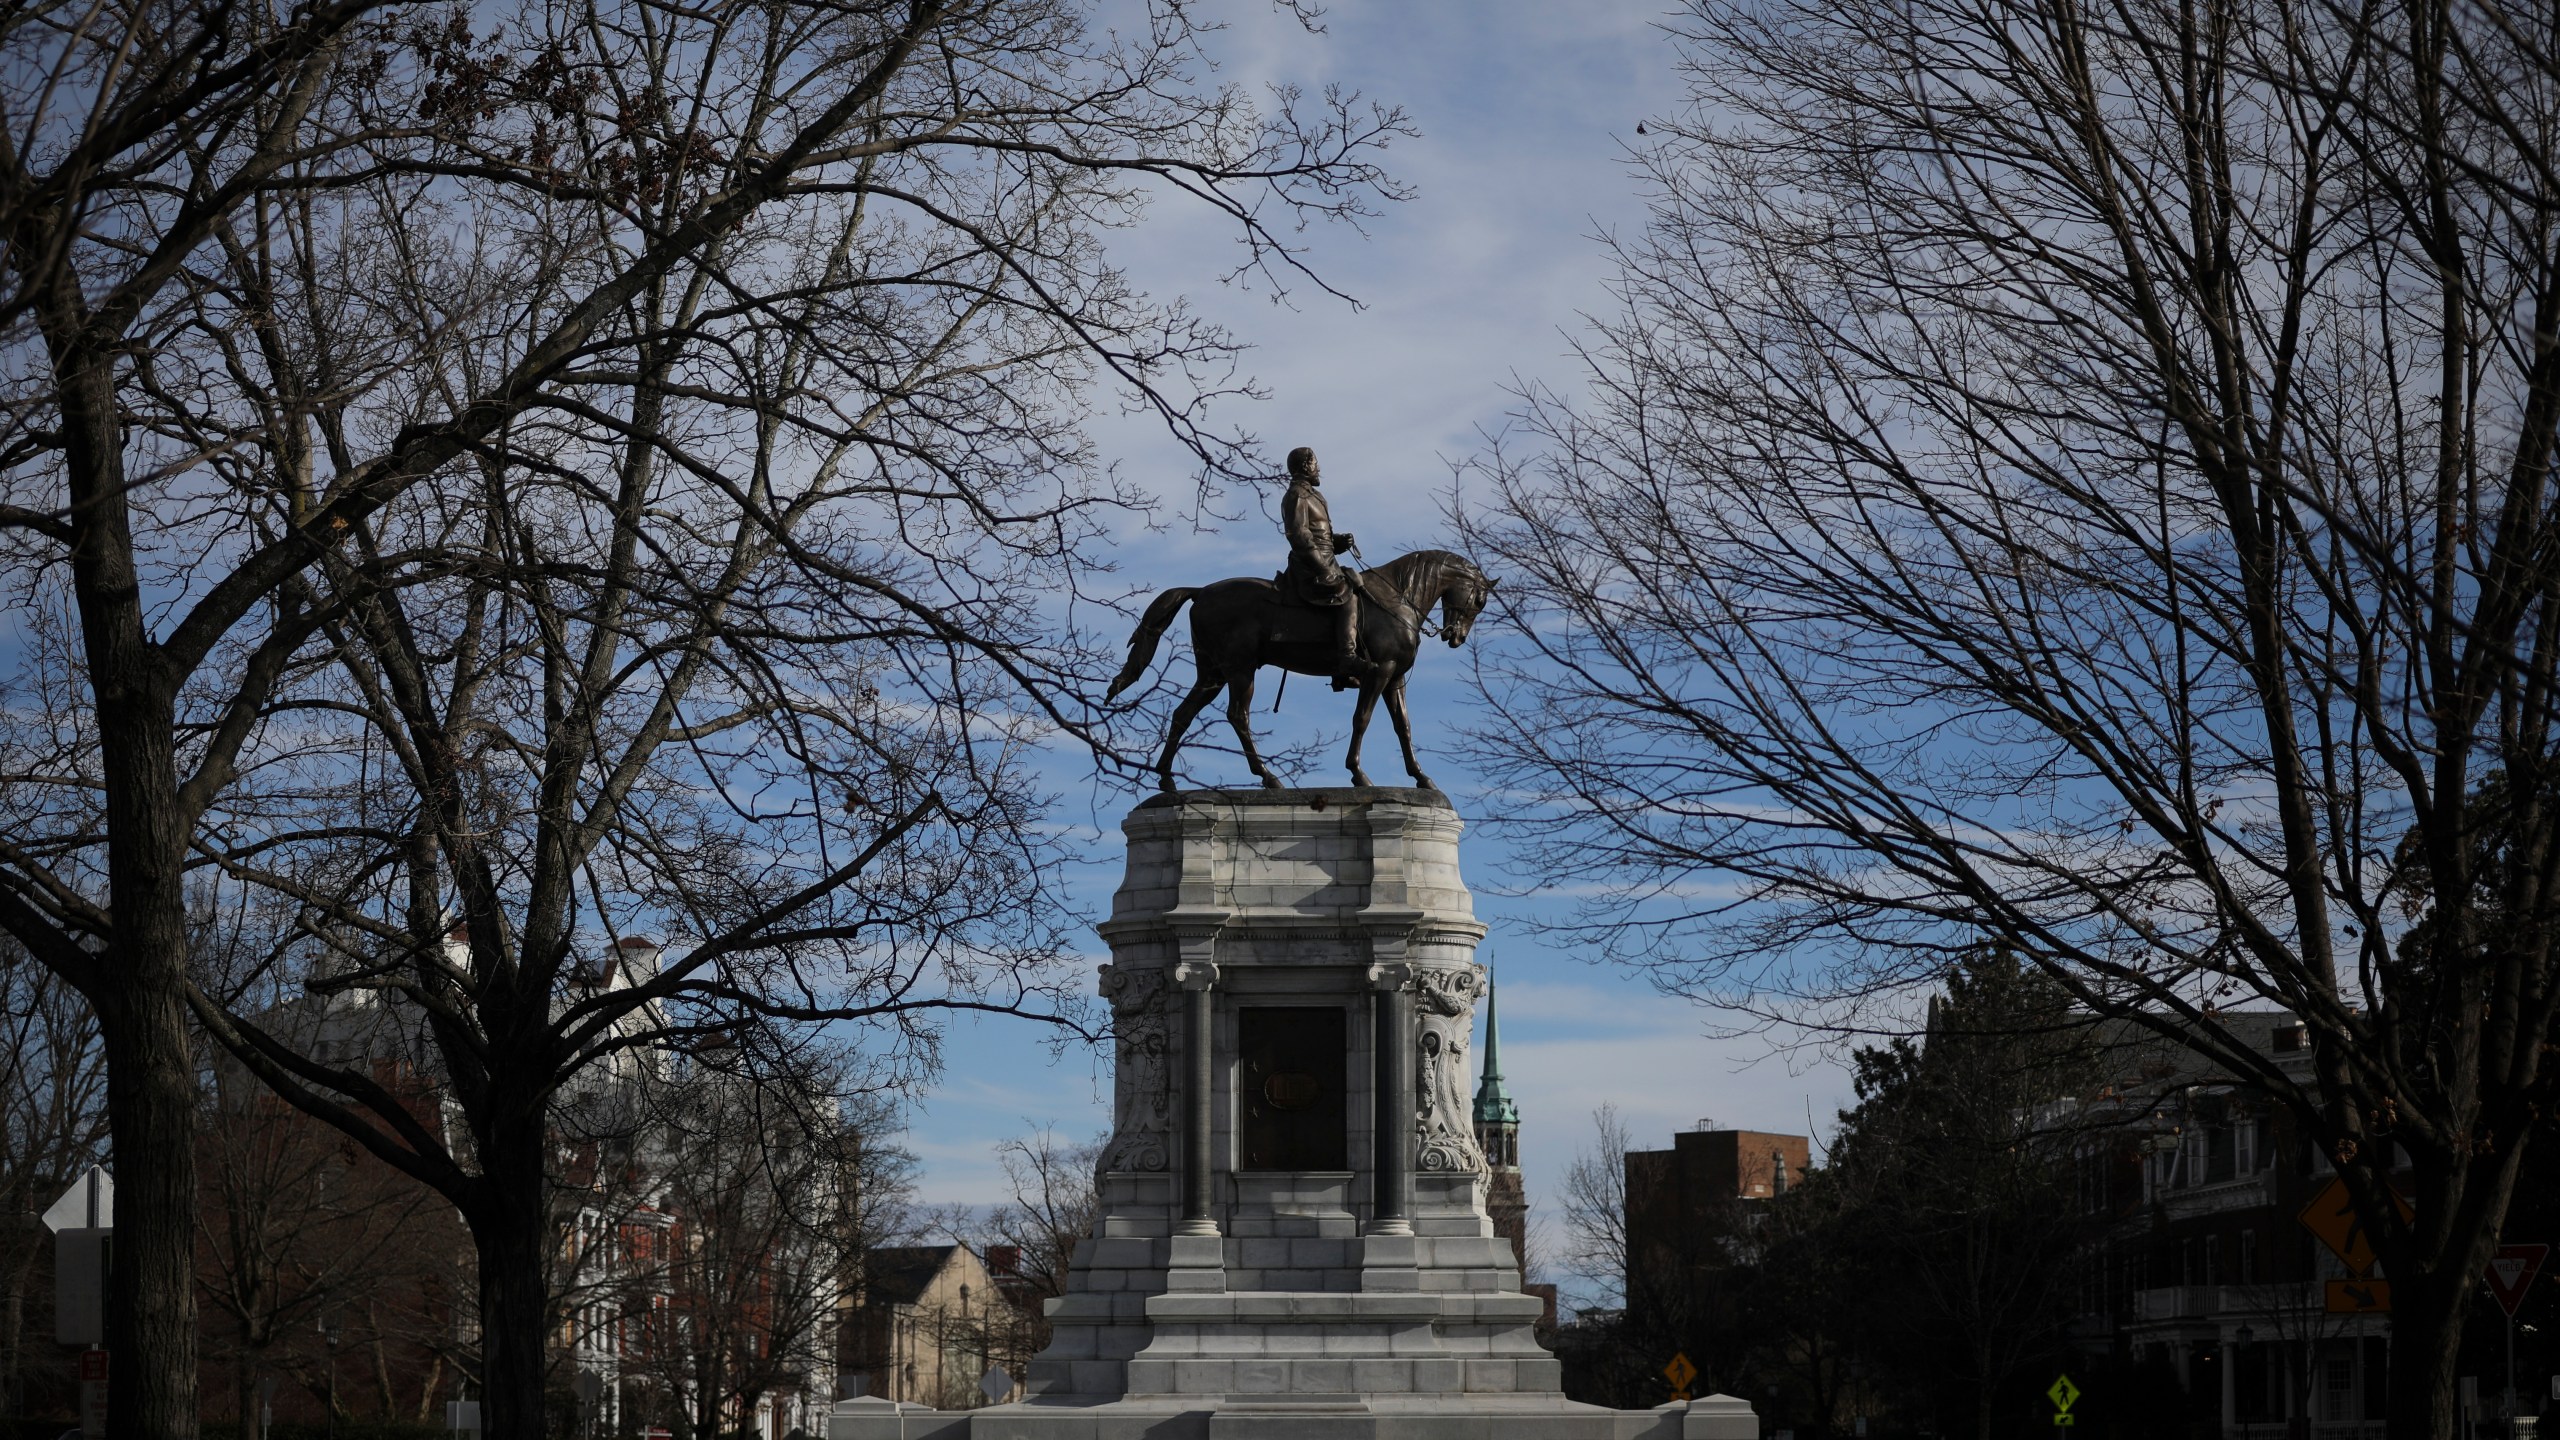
[[1378, 595]]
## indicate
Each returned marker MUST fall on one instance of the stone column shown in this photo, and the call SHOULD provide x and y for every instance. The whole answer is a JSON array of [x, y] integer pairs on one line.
[[1391, 1131], [1199, 1077]]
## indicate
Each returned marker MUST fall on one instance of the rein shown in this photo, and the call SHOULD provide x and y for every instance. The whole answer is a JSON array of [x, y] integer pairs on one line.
[[1432, 577]]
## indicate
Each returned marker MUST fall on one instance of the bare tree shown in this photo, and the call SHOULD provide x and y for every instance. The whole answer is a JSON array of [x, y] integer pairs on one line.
[[1593, 1201], [476, 463], [1052, 1205], [2078, 477], [53, 1128], [755, 1184], [300, 1227], [1632, 1313], [1048, 1213]]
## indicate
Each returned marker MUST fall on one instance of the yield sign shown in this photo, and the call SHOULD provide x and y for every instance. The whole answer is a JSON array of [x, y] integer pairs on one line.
[[2511, 1273], [90, 1204]]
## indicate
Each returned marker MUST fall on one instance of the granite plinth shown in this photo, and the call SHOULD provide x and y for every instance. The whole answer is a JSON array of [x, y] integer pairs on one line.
[[1333, 1416], [1253, 1275]]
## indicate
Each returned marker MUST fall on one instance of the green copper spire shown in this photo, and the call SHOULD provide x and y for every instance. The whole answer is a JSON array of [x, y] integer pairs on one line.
[[1493, 1103]]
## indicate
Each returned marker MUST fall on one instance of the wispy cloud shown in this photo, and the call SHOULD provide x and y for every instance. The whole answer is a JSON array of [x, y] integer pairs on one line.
[[1478, 283]]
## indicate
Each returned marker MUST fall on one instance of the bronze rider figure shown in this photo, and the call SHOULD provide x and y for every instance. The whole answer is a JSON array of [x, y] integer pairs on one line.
[[1315, 576]]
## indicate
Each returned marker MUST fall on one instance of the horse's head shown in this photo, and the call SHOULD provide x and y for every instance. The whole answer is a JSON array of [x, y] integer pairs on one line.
[[1469, 589]]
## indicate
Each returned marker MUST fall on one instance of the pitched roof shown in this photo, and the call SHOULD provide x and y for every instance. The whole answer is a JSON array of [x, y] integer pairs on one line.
[[900, 1274], [1493, 1103]]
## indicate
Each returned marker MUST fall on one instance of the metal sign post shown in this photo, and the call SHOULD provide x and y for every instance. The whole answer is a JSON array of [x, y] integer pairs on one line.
[[2510, 1276], [83, 1225], [2063, 1394], [93, 1394]]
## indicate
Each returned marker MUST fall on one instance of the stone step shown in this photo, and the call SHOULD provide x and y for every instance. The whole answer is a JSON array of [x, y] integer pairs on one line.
[[1271, 1375]]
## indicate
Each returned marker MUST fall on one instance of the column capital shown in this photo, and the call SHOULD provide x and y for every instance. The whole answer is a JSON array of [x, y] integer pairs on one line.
[[1195, 975], [1196, 922], [1390, 976]]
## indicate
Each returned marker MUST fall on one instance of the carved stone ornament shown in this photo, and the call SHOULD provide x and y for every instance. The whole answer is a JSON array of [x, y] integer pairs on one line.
[[1142, 1088], [1444, 1012]]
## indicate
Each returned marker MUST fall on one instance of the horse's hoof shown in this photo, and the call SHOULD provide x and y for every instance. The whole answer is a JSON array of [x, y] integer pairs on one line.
[[1165, 785], [1271, 782], [1423, 782], [1361, 779]]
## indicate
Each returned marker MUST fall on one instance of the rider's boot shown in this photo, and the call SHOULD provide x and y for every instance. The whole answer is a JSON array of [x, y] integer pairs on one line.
[[1348, 667]]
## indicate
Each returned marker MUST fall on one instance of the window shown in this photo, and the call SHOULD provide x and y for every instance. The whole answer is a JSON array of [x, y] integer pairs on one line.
[[2244, 1147], [2338, 1387], [2220, 1144], [2248, 1257]]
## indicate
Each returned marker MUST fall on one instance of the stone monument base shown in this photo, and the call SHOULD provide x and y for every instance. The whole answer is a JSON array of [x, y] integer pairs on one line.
[[1299, 1417], [1291, 1240]]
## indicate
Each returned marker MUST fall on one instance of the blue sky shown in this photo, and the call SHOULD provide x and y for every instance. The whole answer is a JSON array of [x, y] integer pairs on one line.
[[1474, 286]]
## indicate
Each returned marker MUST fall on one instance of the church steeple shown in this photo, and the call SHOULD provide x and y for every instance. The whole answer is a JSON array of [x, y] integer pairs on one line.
[[1497, 1118]]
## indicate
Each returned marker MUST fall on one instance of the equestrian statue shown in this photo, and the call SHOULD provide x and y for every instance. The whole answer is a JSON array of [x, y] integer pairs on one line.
[[1316, 617]]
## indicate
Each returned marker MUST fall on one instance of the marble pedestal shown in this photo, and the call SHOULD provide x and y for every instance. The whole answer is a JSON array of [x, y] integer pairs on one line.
[[1292, 1239]]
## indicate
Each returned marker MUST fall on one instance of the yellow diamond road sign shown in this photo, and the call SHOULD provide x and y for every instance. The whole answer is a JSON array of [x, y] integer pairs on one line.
[[2062, 1394], [1680, 1371]]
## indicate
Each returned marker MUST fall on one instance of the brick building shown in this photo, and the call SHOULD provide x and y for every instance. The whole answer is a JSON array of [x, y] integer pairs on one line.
[[1689, 1205]]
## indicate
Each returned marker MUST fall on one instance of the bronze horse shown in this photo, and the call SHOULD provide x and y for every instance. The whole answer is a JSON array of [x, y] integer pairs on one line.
[[1240, 625]]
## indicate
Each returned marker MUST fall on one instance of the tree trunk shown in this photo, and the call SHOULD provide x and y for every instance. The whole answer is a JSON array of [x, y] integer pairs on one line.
[[244, 1384], [2426, 1348], [137, 987], [511, 1232], [13, 1315], [139, 995], [706, 1383], [151, 1095]]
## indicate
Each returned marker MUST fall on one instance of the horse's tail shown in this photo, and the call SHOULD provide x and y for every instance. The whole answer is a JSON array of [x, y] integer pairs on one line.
[[1142, 646]]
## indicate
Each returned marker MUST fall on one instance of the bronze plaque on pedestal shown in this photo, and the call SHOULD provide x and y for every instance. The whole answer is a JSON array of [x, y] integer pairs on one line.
[[1290, 1092]]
